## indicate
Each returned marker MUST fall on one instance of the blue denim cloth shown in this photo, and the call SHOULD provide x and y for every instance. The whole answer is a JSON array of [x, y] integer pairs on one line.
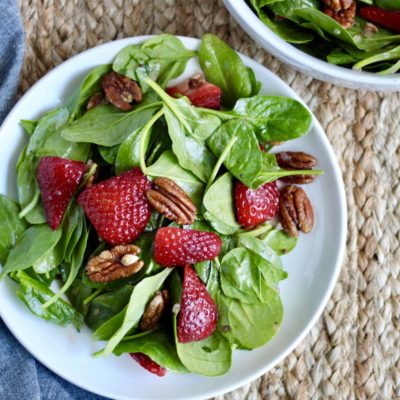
[[21, 376]]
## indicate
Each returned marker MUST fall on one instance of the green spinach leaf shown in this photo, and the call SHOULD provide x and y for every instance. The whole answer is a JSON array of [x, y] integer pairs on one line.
[[157, 345], [210, 357], [218, 206], [34, 294], [31, 247], [141, 294], [107, 126], [11, 226], [224, 68]]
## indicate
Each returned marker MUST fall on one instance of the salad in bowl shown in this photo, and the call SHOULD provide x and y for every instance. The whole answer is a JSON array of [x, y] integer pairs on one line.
[[156, 213]]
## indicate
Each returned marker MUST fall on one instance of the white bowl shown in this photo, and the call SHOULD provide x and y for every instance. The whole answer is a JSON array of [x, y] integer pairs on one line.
[[313, 266], [302, 61]]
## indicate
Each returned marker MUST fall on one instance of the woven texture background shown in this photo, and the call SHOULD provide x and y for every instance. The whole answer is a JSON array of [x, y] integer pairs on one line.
[[353, 351]]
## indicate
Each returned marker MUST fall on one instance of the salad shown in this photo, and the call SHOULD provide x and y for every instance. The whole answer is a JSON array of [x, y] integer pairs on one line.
[[156, 214], [363, 35]]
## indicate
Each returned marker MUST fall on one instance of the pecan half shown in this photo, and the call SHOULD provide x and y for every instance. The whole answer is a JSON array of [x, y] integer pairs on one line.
[[171, 200], [345, 16], [295, 211], [296, 161], [96, 100], [154, 311], [119, 262], [121, 91]]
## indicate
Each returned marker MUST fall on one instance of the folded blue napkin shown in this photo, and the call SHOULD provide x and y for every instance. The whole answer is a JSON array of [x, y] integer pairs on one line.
[[21, 376]]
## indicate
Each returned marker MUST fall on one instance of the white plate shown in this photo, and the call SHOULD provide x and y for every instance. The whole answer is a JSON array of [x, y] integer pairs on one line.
[[313, 266], [302, 61]]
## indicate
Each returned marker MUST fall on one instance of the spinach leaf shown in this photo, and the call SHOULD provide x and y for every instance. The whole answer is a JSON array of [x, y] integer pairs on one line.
[[284, 28], [109, 154], [162, 57], [28, 126], [167, 166], [31, 247], [46, 263], [157, 345], [141, 294], [269, 262], [284, 8], [210, 357], [191, 154], [244, 159], [279, 241], [392, 54], [223, 67], [106, 306], [76, 260], [90, 86], [274, 118], [218, 206], [128, 152], [34, 294], [105, 125], [241, 277], [352, 35], [77, 294], [11, 226], [251, 325], [47, 125], [109, 327], [57, 146], [188, 128]]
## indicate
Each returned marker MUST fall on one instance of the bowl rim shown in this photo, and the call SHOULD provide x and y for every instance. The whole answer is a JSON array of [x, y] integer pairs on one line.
[[337, 262], [304, 62]]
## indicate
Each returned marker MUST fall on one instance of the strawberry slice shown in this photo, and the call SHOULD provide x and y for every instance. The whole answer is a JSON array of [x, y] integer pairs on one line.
[[147, 363], [254, 207], [118, 207], [178, 247], [198, 313], [58, 180], [200, 92]]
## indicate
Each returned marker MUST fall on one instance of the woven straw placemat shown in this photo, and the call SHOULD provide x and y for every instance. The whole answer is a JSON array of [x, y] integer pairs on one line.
[[353, 351]]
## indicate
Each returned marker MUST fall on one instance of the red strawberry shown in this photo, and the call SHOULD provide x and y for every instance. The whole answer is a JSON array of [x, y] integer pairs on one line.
[[58, 180], [147, 363], [178, 247], [200, 92], [254, 207], [198, 313], [118, 207]]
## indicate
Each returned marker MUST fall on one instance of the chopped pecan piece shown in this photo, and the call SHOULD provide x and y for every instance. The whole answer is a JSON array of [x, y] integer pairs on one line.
[[171, 200], [96, 100], [296, 161], [154, 311], [295, 211], [345, 16], [121, 91], [338, 5], [119, 262]]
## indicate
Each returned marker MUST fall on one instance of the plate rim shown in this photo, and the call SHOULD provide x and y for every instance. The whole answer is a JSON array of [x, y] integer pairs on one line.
[[338, 262]]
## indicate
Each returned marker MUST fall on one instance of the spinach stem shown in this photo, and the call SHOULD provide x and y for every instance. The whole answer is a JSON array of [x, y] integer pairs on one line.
[[30, 206], [145, 138], [92, 170], [168, 101], [256, 232], [221, 159], [92, 296]]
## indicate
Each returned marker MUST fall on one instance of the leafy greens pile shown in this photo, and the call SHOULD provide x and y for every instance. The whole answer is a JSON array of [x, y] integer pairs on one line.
[[304, 24], [200, 149]]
